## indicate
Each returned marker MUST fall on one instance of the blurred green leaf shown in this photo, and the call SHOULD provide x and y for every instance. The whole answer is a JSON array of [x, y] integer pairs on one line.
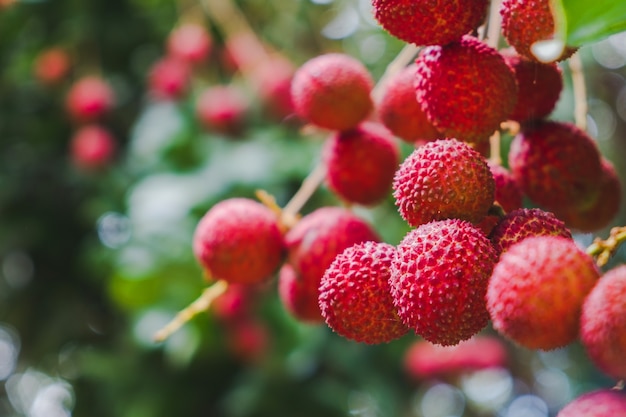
[[582, 22]]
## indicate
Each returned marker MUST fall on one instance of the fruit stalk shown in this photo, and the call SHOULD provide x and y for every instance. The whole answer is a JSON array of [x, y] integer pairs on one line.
[[580, 91], [603, 249]]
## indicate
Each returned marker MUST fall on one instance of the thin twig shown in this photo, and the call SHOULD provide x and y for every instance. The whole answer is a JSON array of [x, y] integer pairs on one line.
[[494, 151], [580, 91], [602, 250], [404, 58], [306, 190], [493, 25]]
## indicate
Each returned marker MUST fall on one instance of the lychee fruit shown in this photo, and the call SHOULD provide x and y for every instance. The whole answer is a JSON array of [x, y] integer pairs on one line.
[[603, 323], [361, 163], [92, 147], [537, 289], [429, 23], [248, 339], [272, 78], [556, 164], [89, 98], [299, 296], [443, 179], [507, 193], [234, 303], [169, 78], [399, 110], [52, 65], [599, 403], [223, 109], [355, 297], [438, 292], [190, 43], [519, 224], [332, 91], [465, 88], [239, 240]]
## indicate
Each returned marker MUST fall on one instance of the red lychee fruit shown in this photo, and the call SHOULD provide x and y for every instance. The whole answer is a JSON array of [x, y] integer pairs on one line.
[[429, 23], [248, 339], [332, 91], [272, 79], [239, 240], [603, 323], [556, 164], [424, 360], [507, 193], [355, 297], [361, 163], [539, 87], [526, 222], [312, 244], [223, 108], [600, 213], [169, 78], [439, 280], [465, 88], [299, 296], [525, 22], [89, 99], [92, 147], [190, 43], [399, 110], [537, 289], [443, 179], [234, 303], [52, 65], [599, 403]]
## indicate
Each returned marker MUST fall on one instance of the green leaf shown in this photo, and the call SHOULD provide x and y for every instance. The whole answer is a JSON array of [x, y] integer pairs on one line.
[[581, 22]]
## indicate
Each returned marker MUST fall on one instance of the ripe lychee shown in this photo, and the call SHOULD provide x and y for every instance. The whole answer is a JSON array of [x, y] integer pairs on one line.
[[52, 65], [537, 289], [298, 296], [556, 164], [332, 91], [190, 43], [272, 79], [519, 224], [599, 403], [238, 240], [169, 78], [361, 163], [439, 280], [508, 194], [429, 23], [465, 88], [603, 323], [223, 109], [92, 147], [89, 99], [355, 297], [443, 179], [399, 110]]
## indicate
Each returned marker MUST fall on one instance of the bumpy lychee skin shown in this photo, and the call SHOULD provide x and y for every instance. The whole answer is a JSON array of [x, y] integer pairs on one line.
[[312, 244], [525, 22], [539, 87], [437, 292], [603, 323], [399, 110], [443, 179], [599, 403], [465, 88], [361, 163], [332, 91], [223, 109], [519, 224], [355, 297], [508, 194], [429, 23], [556, 164], [238, 240], [89, 98], [537, 289]]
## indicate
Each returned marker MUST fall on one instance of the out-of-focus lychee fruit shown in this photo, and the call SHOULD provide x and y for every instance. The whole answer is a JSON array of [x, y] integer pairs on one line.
[[508, 194], [361, 163], [169, 78], [92, 147], [248, 339], [190, 43], [603, 323], [399, 110], [332, 91], [537, 289], [272, 78], [52, 65], [223, 108], [519, 224], [89, 98], [234, 303], [451, 86], [599, 403], [439, 280], [238, 240], [429, 23], [355, 297], [299, 296], [443, 179]]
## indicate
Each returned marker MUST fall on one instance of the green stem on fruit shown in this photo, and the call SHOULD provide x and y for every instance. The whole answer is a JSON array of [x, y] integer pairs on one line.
[[580, 91], [200, 305], [404, 58], [602, 250]]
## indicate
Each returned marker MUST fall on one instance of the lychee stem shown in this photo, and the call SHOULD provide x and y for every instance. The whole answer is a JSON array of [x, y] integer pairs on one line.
[[200, 305], [306, 190], [493, 25], [580, 91], [603, 249], [494, 150], [404, 58], [619, 386]]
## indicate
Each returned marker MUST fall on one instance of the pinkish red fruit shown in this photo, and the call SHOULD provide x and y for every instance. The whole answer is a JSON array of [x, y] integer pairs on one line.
[[603, 323], [169, 78], [443, 179], [89, 99], [52, 65], [355, 297], [248, 339], [599, 403], [508, 194], [332, 91], [190, 43], [299, 296], [222, 108], [238, 240], [537, 289], [465, 88], [429, 23], [92, 147], [361, 163], [272, 79], [438, 292]]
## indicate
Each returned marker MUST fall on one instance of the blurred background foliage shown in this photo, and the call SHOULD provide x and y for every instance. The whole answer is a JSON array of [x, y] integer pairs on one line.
[[92, 263]]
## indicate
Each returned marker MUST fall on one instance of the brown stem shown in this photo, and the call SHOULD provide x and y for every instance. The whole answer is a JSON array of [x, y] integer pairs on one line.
[[493, 25], [306, 190], [404, 58], [580, 91], [494, 151], [602, 250]]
